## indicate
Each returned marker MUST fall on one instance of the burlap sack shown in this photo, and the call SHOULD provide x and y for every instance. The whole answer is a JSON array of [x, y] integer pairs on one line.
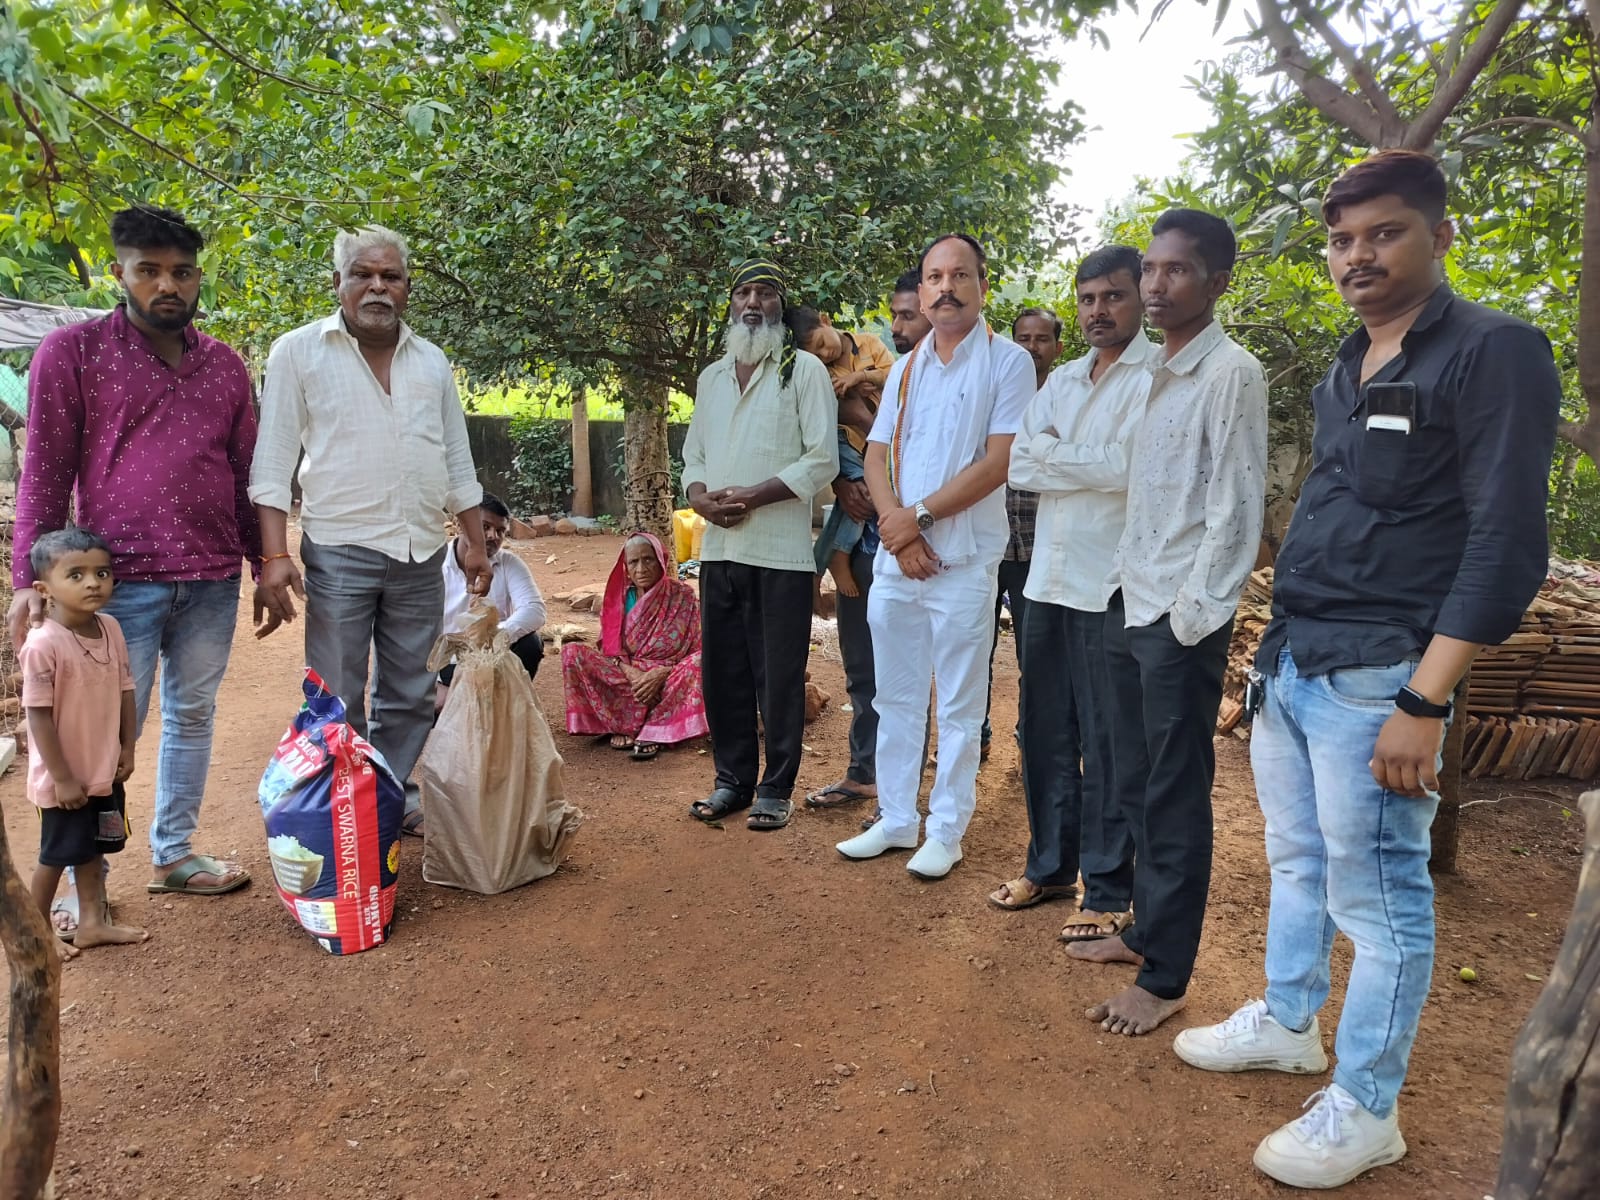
[[495, 810]]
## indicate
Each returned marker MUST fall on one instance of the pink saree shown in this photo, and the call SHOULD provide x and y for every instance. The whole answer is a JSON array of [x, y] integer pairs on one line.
[[662, 630]]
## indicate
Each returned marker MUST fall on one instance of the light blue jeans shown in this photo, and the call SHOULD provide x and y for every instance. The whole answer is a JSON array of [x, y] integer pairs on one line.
[[186, 628], [1346, 855]]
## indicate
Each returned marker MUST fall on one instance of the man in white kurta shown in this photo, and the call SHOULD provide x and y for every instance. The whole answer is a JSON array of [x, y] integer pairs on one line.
[[936, 466]]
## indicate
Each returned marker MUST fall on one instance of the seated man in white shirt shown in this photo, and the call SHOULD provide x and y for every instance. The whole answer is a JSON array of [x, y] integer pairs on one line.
[[513, 593]]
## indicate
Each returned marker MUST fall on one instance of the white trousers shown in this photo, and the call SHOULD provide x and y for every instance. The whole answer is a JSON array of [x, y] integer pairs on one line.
[[922, 630]]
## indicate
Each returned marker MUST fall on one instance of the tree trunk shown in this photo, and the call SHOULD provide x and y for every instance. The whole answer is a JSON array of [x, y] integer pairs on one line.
[[1553, 1099], [582, 483], [649, 484], [1586, 434], [32, 1113]]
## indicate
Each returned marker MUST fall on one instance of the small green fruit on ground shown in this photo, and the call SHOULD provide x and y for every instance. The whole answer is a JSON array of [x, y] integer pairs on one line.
[[1468, 975]]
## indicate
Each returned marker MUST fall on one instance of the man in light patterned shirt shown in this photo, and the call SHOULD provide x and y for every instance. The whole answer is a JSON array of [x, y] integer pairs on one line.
[[375, 408], [1196, 494]]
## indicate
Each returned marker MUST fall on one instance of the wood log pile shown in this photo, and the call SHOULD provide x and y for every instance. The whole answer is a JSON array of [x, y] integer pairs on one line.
[[1533, 702]]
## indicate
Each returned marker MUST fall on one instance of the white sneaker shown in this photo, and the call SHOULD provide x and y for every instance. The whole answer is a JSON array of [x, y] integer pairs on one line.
[[874, 842], [1251, 1040], [934, 860], [1333, 1143]]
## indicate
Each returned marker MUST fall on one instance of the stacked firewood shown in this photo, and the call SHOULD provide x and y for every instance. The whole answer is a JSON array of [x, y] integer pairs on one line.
[[1533, 702], [1255, 610]]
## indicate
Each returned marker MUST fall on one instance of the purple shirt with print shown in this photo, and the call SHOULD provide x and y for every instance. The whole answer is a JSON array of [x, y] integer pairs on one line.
[[159, 458]]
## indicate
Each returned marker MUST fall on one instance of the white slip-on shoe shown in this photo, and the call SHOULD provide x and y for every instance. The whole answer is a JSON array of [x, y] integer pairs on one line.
[[934, 860], [1251, 1040], [874, 842], [1334, 1142]]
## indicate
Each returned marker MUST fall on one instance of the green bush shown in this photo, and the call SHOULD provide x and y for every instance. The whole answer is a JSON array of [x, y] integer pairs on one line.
[[541, 464]]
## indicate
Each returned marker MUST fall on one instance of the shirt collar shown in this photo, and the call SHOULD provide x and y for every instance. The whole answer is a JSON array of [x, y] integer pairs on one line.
[[1435, 310], [125, 329], [1137, 352], [1187, 359], [964, 349], [335, 324]]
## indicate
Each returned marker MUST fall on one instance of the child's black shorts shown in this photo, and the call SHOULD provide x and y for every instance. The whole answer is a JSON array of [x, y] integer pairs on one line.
[[72, 837]]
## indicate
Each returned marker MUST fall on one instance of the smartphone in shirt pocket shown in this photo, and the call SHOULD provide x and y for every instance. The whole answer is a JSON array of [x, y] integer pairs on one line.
[[1384, 477]]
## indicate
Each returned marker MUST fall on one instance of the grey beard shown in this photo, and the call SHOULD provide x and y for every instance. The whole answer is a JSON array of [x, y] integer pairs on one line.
[[750, 346]]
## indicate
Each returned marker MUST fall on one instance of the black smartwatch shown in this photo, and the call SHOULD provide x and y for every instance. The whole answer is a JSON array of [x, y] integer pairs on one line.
[[1415, 704]]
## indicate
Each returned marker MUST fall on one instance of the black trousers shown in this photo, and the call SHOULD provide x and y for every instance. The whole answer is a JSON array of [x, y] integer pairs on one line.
[[860, 679], [1013, 577], [755, 637], [1166, 697], [529, 650], [1074, 818]]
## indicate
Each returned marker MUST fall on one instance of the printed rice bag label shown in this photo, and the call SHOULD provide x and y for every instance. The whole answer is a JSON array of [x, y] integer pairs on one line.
[[333, 811]]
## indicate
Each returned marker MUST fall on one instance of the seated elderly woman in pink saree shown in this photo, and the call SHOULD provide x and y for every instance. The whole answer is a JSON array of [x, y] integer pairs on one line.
[[642, 687]]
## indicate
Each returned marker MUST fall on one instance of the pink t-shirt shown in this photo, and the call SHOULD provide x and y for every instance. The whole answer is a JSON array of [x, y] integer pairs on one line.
[[82, 679]]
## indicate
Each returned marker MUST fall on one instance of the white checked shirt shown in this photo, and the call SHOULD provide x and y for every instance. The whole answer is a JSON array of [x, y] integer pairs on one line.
[[380, 467], [1074, 450], [739, 439], [1196, 489]]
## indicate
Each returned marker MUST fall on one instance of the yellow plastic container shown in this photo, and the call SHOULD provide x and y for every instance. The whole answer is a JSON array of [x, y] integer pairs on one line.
[[688, 527]]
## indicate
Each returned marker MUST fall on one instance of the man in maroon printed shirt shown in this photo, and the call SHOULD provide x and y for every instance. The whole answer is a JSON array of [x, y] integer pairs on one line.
[[148, 424]]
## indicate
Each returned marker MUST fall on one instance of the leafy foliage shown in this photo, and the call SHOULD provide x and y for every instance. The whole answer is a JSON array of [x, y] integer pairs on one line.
[[541, 464]]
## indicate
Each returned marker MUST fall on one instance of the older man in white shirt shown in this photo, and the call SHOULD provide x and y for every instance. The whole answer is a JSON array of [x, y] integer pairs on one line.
[[761, 444], [1196, 494], [936, 466], [375, 409], [1074, 450]]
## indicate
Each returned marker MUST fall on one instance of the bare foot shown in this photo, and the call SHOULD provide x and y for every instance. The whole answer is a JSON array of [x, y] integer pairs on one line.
[[839, 568], [65, 952], [1109, 950], [103, 934], [1134, 1011]]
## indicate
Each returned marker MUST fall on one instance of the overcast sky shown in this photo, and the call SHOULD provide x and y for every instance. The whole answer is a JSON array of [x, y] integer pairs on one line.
[[1134, 97]]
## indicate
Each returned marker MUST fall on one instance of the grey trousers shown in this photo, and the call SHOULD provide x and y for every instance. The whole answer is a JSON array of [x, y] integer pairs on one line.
[[373, 618], [860, 680]]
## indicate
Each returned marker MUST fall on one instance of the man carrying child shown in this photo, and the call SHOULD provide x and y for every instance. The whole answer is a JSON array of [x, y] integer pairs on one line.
[[77, 688]]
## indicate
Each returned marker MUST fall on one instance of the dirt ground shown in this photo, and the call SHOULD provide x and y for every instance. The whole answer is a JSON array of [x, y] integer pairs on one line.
[[683, 1011]]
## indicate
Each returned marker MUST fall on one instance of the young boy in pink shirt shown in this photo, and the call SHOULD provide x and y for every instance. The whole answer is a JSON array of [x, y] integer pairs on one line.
[[77, 688]]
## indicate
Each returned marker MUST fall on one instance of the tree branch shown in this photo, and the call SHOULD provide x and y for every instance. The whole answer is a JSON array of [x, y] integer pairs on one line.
[[1362, 74], [287, 81], [1450, 92], [1571, 131], [256, 198], [1331, 100]]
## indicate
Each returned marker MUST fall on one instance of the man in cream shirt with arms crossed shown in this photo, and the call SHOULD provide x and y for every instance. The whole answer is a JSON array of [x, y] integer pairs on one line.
[[936, 465], [375, 408]]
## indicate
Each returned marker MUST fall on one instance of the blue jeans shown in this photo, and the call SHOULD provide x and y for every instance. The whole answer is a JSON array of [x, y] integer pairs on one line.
[[187, 629], [1346, 855]]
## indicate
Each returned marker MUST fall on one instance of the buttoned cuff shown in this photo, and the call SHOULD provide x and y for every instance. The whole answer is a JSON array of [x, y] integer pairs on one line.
[[272, 495], [463, 497]]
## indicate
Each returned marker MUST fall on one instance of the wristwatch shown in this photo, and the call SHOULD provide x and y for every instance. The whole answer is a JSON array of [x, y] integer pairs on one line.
[[1415, 704], [924, 517]]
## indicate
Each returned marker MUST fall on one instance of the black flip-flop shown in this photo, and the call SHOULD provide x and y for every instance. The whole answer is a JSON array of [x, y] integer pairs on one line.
[[411, 824], [844, 796], [645, 751], [769, 813], [718, 805]]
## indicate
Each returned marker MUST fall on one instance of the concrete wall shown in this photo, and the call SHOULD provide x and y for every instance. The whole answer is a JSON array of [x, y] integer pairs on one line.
[[492, 451]]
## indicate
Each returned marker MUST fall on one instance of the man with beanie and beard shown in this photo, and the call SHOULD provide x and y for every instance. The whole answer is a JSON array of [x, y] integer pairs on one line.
[[148, 422], [761, 444]]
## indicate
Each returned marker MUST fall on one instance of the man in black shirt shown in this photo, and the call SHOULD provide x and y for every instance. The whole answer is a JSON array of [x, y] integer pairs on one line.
[[1419, 537]]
